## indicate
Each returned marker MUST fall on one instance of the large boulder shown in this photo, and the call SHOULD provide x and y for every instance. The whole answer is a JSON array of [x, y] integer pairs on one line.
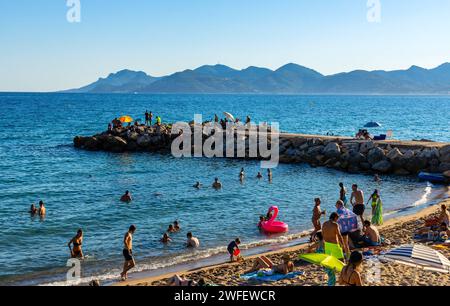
[[444, 167], [394, 154], [316, 150], [144, 141], [366, 147], [416, 164], [444, 153], [375, 155], [114, 143], [332, 150], [382, 166]]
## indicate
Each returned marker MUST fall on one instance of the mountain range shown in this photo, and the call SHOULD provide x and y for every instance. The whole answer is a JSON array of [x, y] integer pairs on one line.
[[288, 79]]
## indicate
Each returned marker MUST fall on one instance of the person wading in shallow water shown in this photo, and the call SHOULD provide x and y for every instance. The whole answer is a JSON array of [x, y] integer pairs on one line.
[[126, 197], [128, 252], [317, 213], [77, 241]]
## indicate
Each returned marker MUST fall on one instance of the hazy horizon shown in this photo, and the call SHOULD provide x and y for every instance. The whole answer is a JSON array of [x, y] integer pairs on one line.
[[41, 51]]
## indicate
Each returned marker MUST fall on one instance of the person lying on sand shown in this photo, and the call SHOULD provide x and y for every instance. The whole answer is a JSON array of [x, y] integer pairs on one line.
[[192, 242], [165, 238], [176, 280], [217, 184], [126, 197], [265, 263], [351, 273]]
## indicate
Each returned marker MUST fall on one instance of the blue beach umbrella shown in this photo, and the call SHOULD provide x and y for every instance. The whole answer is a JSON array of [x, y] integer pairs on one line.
[[372, 124]]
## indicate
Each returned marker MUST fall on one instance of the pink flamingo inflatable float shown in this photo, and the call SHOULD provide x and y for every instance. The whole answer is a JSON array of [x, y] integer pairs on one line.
[[272, 226]]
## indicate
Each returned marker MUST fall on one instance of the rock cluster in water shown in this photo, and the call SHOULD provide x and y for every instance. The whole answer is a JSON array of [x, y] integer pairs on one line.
[[344, 154], [365, 156]]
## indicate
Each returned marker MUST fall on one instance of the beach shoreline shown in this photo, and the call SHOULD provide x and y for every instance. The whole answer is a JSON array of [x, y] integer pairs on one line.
[[209, 271]]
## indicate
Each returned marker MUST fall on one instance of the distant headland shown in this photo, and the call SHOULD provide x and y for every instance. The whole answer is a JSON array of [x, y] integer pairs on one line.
[[288, 79]]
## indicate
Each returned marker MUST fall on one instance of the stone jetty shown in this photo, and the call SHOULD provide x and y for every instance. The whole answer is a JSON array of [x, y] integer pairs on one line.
[[342, 153]]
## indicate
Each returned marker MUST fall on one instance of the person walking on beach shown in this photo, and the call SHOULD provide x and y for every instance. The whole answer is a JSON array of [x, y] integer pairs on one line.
[[192, 242], [377, 208], [128, 252], [348, 225], [351, 273], [234, 251], [343, 194], [357, 201], [76, 241], [217, 185], [374, 197], [317, 214], [126, 197]]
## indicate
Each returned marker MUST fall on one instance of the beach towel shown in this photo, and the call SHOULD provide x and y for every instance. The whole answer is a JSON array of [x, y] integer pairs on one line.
[[377, 218], [269, 276], [334, 250]]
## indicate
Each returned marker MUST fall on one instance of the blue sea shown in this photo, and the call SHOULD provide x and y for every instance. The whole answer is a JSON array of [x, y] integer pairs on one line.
[[81, 189]]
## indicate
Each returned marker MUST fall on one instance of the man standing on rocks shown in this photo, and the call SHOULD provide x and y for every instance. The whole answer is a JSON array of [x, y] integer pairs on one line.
[[146, 118], [357, 201]]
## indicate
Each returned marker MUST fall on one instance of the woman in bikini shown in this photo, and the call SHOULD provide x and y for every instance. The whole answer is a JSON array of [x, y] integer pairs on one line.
[[77, 241], [351, 273], [265, 263]]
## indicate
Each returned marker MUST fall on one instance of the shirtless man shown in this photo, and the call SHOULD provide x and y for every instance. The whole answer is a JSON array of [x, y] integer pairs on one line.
[[126, 197], [259, 175], [371, 234], [357, 201], [444, 217], [217, 184], [332, 236], [128, 252], [317, 214], [42, 211], [192, 242], [269, 174]]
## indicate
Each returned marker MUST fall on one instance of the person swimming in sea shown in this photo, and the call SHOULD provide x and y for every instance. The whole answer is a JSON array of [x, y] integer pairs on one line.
[[171, 229], [242, 174], [197, 185], [176, 226], [76, 241], [126, 197], [42, 210], [33, 210], [165, 238], [261, 220], [259, 175], [217, 184]]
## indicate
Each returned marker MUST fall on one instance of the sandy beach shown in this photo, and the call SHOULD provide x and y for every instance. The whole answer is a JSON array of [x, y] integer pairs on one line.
[[398, 231]]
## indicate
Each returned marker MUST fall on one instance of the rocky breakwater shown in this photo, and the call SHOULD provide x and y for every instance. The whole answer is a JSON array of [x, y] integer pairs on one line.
[[134, 138], [397, 157]]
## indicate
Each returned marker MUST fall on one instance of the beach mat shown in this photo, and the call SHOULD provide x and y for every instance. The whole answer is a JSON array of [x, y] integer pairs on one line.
[[270, 278]]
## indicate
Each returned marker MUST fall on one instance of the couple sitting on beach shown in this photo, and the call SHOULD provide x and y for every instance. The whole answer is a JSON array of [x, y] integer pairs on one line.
[[436, 229]]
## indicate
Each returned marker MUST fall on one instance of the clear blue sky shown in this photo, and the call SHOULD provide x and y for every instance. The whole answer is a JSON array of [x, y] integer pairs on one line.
[[41, 51]]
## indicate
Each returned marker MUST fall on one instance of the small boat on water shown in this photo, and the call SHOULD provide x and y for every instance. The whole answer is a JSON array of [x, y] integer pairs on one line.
[[433, 177]]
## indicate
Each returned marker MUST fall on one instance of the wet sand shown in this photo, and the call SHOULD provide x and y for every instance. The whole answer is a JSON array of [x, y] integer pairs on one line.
[[398, 231]]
